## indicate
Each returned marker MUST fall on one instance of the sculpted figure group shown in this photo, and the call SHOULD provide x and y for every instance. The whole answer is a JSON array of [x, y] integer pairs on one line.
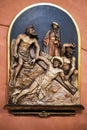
[[60, 70]]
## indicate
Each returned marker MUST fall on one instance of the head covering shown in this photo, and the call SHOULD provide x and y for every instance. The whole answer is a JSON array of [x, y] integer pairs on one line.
[[55, 23], [58, 58]]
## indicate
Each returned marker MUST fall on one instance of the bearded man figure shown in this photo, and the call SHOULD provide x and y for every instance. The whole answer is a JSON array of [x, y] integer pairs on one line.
[[21, 51]]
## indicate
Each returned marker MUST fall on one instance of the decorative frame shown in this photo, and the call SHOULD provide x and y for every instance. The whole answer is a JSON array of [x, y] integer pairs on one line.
[[69, 34]]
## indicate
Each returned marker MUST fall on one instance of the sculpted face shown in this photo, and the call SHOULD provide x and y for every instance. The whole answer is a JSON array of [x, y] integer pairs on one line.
[[55, 26], [56, 63], [30, 31], [69, 52]]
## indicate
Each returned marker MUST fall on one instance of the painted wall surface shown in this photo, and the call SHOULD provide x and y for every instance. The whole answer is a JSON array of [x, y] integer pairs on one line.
[[8, 9]]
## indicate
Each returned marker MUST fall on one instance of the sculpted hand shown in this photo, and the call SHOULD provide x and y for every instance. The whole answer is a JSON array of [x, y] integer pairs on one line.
[[56, 43], [33, 61], [16, 55], [73, 45]]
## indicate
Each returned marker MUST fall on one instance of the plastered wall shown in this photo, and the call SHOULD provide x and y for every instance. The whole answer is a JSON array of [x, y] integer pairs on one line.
[[8, 9]]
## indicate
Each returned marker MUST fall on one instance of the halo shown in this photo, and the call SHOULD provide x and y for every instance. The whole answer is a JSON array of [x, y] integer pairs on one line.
[[58, 58]]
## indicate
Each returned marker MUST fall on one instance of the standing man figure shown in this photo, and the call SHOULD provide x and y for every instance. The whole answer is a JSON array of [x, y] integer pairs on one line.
[[52, 40]]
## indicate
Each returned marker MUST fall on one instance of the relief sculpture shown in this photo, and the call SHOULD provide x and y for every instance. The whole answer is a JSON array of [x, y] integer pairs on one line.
[[46, 77], [44, 62]]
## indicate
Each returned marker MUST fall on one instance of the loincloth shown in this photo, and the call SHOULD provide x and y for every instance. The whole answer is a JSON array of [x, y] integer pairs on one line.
[[25, 55]]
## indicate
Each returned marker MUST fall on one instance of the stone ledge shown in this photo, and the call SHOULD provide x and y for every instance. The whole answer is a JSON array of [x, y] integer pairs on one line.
[[44, 110]]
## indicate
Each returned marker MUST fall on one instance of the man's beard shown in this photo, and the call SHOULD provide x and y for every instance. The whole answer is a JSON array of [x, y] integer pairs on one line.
[[32, 35], [68, 55]]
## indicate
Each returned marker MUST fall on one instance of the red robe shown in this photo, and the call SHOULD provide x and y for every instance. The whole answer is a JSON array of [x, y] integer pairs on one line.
[[52, 43]]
